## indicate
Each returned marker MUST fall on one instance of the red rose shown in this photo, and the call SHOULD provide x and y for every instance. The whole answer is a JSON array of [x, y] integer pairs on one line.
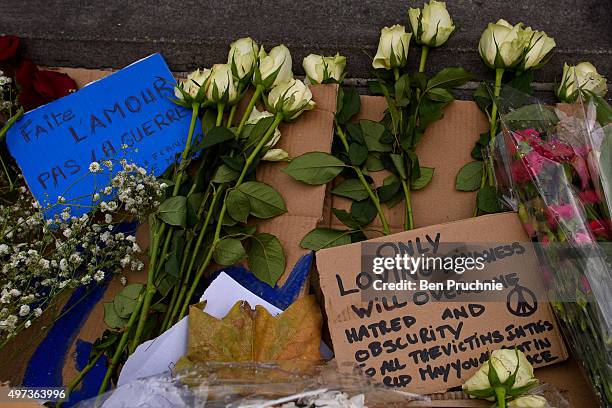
[[39, 87], [8, 46], [589, 197], [557, 150], [599, 229], [53, 85]]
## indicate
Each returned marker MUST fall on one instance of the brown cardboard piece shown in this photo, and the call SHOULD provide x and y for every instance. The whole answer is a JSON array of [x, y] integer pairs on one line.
[[446, 147], [339, 268], [313, 131]]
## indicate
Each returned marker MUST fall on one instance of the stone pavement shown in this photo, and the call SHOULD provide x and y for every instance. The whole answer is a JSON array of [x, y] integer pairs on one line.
[[191, 33]]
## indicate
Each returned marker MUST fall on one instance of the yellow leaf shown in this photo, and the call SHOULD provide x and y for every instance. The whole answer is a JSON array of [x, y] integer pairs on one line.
[[244, 335]]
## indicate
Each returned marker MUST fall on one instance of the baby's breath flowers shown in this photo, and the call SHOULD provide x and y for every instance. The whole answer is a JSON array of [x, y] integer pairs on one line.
[[41, 257]]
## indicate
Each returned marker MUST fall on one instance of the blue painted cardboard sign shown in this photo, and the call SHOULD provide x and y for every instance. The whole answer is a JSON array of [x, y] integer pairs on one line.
[[128, 114]]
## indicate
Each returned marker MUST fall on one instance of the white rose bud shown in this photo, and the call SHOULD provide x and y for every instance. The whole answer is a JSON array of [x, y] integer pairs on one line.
[[433, 25], [274, 67], [256, 116], [290, 98], [242, 57], [189, 89], [504, 362], [392, 48], [503, 45], [220, 87], [528, 401], [588, 80], [321, 69], [275, 155], [538, 48]]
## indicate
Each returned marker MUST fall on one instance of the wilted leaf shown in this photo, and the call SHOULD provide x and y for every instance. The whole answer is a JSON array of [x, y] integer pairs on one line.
[[247, 335]]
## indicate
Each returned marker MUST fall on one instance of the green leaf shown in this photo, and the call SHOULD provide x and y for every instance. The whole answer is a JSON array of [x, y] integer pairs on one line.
[[402, 91], [173, 211], [364, 211], [350, 105], [215, 136], [224, 175], [228, 251], [351, 188], [357, 154], [345, 218], [482, 97], [440, 95], [194, 202], [111, 318], [254, 132], [320, 238], [400, 165], [534, 116], [481, 143], [372, 132], [238, 205], [424, 179], [487, 200], [449, 78], [390, 187], [354, 133], [266, 258], [132, 291], [264, 200], [373, 163], [315, 168], [469, 177]]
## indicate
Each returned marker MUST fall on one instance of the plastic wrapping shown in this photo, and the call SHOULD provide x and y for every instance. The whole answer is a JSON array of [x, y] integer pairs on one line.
[[553, 166], [233, 385]]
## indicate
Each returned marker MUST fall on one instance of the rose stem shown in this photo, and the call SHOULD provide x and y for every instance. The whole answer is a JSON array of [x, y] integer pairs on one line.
[[247, 165], [366, 185], [256, 95], [150, 291], [424, 54]]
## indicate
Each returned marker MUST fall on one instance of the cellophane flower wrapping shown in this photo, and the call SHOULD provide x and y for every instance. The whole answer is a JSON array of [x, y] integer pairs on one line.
[[289, 384], [554, 166]]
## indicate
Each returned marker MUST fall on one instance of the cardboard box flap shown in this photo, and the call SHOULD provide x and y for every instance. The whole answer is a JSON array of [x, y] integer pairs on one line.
[[422, 346]]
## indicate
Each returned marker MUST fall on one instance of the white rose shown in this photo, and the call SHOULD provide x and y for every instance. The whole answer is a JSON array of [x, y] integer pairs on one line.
[[321, 69], [433, 25], [274, 67], [275, 155], [192, 84], [503, 45], [588, 80], [528, 401], [256, 116], [538, 48], [504, 362], [220, 87], [290, 98], [392, 49], [242, 57]]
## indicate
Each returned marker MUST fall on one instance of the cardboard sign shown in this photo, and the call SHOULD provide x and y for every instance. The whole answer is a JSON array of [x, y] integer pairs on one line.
[[127, 115], [430, 346]]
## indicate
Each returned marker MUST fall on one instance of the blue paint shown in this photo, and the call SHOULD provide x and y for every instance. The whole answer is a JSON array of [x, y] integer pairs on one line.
[[54, 144], [47, 363], [281, 297]]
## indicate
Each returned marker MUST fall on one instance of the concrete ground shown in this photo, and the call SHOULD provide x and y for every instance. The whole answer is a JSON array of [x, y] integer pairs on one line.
[[113, 33]]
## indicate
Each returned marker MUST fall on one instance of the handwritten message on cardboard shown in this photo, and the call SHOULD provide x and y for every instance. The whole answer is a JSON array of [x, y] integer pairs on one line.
[[432, 340], [128, 115]]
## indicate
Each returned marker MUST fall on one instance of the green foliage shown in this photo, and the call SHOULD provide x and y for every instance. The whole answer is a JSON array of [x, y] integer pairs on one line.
[[469, 177], [321, 238], [315, 168], [264, 200], [173, 211], [266, 258]]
